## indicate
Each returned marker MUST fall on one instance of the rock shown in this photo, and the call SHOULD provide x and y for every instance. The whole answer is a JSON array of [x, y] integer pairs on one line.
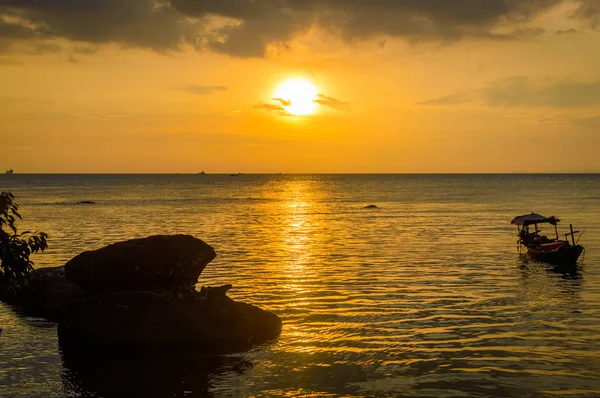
[[264, 325], [215, 291], [141, 293], [161, 318], [47, 293], [141, 263], [371, 207], [86, 202]]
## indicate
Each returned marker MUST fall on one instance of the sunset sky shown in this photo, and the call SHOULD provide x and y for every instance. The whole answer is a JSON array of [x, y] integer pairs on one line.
[[293, 86]]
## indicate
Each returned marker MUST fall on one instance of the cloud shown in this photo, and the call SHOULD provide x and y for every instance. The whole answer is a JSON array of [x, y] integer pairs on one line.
[[521, 91], [204, 90], [132, 23], [14, 30], [251, 27], [270, 107], [330, 102], [281, 104], [528, 33], [85, 49], [10, 61], [589, 11], [566, 32], [592, 123], [282, 101], [275, 22], [46, 48], [273, 108]]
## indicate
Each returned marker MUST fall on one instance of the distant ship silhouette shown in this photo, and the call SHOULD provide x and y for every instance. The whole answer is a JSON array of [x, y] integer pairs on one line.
[[9, 172]]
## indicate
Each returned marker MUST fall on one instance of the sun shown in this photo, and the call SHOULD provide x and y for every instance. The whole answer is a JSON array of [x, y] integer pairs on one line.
[[297, 96]]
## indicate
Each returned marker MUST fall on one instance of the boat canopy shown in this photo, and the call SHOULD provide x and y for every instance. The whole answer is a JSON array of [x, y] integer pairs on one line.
[[533, 218]]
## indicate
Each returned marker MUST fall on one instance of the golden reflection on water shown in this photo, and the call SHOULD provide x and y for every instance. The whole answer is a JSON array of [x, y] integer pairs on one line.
[[296, 207], [424, 295], [296, 204]]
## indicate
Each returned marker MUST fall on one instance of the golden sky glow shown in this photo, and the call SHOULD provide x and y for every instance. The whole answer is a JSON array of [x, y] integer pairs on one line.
[[249, 86]]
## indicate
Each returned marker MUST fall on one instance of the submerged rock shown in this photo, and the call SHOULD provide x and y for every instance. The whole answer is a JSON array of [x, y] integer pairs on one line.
[[163, 318], [47, 293], [162, 260]]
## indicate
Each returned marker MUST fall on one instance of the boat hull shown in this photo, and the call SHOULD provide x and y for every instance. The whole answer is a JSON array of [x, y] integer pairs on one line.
[[564, 256]]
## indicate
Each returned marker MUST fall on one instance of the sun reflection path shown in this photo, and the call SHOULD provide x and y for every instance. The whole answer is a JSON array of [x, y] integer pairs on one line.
[[295, 234], [298, 238]]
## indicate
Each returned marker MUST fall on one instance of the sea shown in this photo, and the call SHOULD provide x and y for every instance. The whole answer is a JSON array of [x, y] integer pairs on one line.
[[426, 295]]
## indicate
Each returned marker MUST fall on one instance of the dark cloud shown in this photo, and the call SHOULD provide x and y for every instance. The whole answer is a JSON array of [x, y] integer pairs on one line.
[[85, 49], [139, 23], [14, 30], [589, 11], [528, 33], [521, 91], [429, 19], [566, 32], [517, 91], [331, 102], [592, 123], [204, 90], [254, 25], [46, 48]]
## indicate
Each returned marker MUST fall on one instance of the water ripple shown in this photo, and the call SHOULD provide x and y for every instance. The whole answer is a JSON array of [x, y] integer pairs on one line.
[[424, 296]]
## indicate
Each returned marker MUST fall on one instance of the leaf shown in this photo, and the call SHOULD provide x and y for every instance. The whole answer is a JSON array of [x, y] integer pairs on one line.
[[15, 249]]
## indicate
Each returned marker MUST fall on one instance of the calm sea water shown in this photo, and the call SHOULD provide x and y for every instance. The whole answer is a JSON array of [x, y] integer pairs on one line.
[[425, 296]]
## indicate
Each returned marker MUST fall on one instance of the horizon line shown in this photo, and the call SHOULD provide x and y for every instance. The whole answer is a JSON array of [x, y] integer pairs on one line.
[[309, 173]]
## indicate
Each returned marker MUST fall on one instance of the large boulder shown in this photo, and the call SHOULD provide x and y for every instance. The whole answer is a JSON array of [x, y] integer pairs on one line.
[[47, 293], [141, 293], [162, 260], [165, 318]]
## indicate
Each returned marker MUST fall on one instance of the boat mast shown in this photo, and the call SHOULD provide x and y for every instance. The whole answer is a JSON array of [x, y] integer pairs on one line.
[[572, 233]]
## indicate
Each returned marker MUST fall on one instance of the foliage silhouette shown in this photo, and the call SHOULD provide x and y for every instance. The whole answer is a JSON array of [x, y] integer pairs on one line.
[[15, 249]]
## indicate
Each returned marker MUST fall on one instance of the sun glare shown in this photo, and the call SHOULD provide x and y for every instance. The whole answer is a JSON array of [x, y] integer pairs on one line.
[[297, 96]]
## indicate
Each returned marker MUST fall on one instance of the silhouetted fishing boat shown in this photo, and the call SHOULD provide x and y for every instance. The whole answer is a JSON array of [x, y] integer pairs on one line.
[[9, 172], [540, 247]]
